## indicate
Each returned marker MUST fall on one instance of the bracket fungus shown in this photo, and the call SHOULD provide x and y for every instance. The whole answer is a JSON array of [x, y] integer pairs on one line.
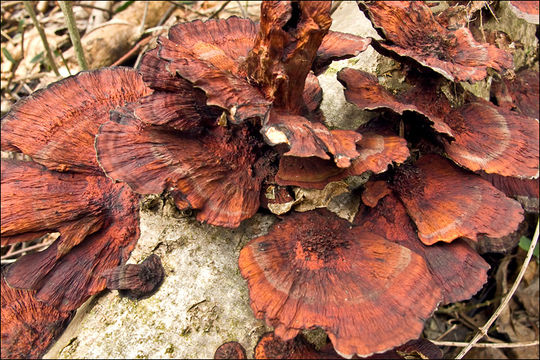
[[97, 219], [447, 203], [314, 269], [411, 30], [224, 116]]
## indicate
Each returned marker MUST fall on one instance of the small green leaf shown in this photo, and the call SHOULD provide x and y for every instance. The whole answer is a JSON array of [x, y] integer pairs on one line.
[[525, 244], [8, 55], [37, 58], [20, 26], [123, 7]]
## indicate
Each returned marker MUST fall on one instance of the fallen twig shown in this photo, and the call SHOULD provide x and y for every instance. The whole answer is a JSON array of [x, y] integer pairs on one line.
[[506, 299], [485, 345]]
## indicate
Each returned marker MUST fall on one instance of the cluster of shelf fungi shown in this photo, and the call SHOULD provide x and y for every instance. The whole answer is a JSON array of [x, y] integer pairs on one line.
[[224, 109]]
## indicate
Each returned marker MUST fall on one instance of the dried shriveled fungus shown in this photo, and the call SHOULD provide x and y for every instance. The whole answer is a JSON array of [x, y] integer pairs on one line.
[[28, 325], [230, 350], [136, 280], [447, 203], [314, 269], [410, 30]]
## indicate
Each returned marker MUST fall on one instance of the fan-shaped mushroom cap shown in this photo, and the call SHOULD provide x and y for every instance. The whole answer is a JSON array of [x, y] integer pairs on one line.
[[313, 269], [447, 203], [56, 126], [376, 150], [230, 350], [98, 229], [36, 201], [28, 326], [218, 171], [136, 280], [338, 46], [487, 137], [457, 269], [209, 55], [363, 90], [526, 10], [411, 30], [375, 191], [494, 140], [306, 139]]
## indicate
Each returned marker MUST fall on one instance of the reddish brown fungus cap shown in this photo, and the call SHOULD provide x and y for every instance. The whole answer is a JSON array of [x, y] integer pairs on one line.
[[447, 203], [98, 229], [338, 46], [219, 171], [314, 269], [306, 139], [56, 126], [28, 326], [456, 268], [374, 191], [377, 149], [230, 350], [526, 10], [363, 90], [411, 30], [487, 137], [136, 280], [209, 56]]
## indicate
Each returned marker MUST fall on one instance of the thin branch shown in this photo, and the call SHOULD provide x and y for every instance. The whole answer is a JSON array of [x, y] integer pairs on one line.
[[484, 329], [50, 59], [242, 10], [219, 10], [485, 345], [73, 33], [143, 21]]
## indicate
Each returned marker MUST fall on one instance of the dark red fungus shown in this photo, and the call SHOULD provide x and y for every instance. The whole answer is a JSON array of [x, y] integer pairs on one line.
[[447, 203], [28, 326], [314, 269], [411, 30]]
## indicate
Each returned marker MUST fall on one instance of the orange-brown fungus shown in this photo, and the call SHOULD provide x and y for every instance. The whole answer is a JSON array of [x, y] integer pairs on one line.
[[97, 220], [56, 126], [447, 203], [314, 269], [219, 171], [28, 326], [363, 90], [456, 268], [230, 350], [338, 46], [374, 191], [526, 10], [136, 280], [411, 30], [377, 149]]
